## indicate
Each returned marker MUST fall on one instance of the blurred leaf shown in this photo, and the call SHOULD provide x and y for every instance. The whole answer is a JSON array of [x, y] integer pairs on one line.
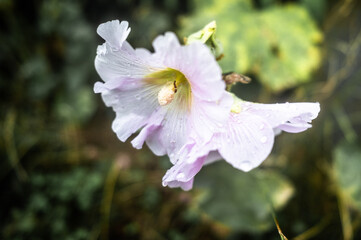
[[150, 198], [347, 169], [35, 71], [316, 8], [267, 3], [78, 107], [242, 200], [278, 44], [47, 213]]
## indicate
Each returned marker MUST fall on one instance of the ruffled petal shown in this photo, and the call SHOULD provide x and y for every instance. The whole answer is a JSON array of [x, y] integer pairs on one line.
[[152, 124], [117, 65], [182, 174], [133, 108], [289, 117], [181, 127], [212, 157], [114, 33], [165, 44], [247, 141]]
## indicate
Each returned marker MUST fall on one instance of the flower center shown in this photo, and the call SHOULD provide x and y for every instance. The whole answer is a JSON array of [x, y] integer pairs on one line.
[[175, 87], [166, 94]]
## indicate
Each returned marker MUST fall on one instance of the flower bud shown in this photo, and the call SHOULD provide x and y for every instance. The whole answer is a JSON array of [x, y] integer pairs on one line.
[[207, 35]]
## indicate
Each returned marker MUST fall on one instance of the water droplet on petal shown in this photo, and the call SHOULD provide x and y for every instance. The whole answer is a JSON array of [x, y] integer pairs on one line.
[[264, 139], [261, 127]]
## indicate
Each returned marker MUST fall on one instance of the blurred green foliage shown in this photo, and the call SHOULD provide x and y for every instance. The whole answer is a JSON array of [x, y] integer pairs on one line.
[[278, 44], [53, 201], [243, 201], [347, 169], [64, 175]]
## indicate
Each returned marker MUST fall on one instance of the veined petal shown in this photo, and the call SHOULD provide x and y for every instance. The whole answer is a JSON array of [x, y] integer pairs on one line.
[[143, 53], [133, 108], [165, 44], [174, 131], [289, 117], [114, 33], [247, 141], [209, 117], [117, 65], [152, 124]]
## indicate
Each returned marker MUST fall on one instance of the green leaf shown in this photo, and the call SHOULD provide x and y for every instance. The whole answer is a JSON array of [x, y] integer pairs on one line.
[[316, 8], [279, 44], [347, 169], [241, 200]]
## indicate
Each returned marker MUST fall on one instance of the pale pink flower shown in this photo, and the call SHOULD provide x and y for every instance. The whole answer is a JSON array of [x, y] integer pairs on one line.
[[171, 94]]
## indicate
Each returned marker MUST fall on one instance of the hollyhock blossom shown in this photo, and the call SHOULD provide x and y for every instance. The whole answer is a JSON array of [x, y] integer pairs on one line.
[[246, 141], [169, 95]]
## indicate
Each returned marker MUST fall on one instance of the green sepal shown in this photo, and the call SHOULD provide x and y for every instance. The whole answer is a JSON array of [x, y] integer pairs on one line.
[[207, 35]]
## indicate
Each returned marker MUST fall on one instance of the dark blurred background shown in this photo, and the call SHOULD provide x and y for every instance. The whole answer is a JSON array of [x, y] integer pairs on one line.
[[64, 174]]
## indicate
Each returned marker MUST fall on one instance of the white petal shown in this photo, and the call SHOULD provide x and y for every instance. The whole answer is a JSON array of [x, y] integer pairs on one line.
[[247, 142], [99, 87], [114, 33], [174, 131], [208, 117], [182, 174], [133, 108], [155, 144], [212, 157], [117, 65], [289, 117], [165, 44], [152, 124]]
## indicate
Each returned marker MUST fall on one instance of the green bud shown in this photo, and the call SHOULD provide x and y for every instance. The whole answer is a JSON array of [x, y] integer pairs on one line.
[[207, 35]]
